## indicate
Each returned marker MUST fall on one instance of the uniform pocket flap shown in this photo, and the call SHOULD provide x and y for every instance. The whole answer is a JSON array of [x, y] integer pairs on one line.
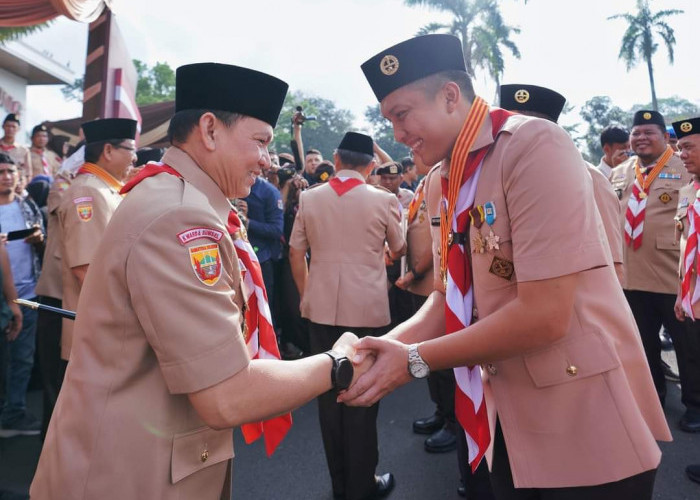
[[570, 361], [198, 449], [666, 243]]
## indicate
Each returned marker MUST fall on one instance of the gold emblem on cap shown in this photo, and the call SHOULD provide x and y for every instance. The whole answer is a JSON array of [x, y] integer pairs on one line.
[[686, 127], [522, 96], [647, 116], [389, 65]]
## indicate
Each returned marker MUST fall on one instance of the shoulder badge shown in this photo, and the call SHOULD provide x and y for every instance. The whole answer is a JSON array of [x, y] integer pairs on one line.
[[206, 263], [199, 232], [83, 206], [62, 186]]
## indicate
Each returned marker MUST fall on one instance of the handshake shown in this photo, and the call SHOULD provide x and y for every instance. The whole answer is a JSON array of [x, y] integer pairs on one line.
[[380, 366]]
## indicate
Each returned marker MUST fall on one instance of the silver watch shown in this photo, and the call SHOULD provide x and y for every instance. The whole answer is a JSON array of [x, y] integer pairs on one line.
[[416, 366]]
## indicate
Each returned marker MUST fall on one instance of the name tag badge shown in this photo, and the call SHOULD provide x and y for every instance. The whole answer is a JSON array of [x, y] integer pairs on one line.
[[435, 221]]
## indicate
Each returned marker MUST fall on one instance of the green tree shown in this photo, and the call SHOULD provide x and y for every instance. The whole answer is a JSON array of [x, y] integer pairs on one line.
[[638, 41], [599, 112], [673, 108], [17, 32], [156, 84], [324, 133], [480, 26], [383, 133]]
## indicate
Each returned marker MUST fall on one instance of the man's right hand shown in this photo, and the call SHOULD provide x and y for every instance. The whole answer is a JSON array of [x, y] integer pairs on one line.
[[15, 326], [678, 309], [618, 157]]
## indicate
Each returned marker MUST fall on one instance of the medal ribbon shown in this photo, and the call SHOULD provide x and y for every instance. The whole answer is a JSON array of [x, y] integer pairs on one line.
[[636, 205], [460, 191], [104, 176], [690, 258], [260, 337]]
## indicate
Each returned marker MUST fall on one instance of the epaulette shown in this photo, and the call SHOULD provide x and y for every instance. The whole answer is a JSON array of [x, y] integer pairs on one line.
[[382, 188]]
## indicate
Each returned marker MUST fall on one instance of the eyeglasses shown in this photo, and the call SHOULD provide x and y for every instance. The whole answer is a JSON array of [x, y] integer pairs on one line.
[[119, 146]]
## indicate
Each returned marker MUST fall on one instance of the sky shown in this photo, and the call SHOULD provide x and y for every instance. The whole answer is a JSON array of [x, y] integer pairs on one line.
[[317, 46]]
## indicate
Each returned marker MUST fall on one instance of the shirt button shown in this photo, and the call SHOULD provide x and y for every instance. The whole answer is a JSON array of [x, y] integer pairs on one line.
[[571, 370], [491, 369], [204, 456]]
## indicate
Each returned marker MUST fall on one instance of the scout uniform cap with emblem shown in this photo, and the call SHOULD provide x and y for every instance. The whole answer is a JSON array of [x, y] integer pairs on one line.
[[358, 143], [222, 87], [39, 128], [145, 155], [391, 167], [648, 117], [11, 118], [324, 171], [109, 129], [687, 127], [412, 60], [517, 97]]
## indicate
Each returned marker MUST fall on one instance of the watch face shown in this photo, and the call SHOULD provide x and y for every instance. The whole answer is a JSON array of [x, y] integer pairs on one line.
[[343, 376], [419, 370]]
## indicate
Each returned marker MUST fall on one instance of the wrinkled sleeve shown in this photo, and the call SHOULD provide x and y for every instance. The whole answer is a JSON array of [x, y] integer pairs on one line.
[[85, 214]]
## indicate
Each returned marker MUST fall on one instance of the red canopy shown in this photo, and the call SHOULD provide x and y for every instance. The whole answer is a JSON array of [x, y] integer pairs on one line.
[[15, 13]]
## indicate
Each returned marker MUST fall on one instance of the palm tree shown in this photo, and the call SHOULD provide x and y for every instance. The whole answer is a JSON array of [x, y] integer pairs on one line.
[[638, 41], [14, 33], [482, 30]]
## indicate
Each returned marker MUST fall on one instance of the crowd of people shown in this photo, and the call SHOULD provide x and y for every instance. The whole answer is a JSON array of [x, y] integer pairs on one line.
[[572, 271]]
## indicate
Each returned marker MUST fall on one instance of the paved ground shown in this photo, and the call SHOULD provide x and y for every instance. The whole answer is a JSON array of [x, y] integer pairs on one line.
[[298, 469]]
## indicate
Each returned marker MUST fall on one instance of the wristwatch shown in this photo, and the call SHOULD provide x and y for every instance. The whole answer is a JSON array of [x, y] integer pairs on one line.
[[416, 366], [341, 372]]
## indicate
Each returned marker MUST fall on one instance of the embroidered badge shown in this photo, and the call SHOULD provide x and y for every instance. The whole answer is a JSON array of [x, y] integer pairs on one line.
[[206, 263], [199, 232], [83, 206], [62, 186], [502, 268], [665, 198]]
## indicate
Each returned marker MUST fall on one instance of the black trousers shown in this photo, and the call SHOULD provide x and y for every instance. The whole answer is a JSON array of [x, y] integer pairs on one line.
[[52, 368], [349, 434], [478, 483], [293, 327], [639, 487], [651, 310]]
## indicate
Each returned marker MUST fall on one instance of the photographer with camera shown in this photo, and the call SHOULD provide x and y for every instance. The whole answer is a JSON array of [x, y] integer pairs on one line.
[[307, 163]]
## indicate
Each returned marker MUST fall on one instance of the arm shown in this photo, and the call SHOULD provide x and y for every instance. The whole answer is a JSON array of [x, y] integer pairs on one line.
[[381, 154], [422, 267], [297, 144], [79, 272], [300, 271], [8, 289]]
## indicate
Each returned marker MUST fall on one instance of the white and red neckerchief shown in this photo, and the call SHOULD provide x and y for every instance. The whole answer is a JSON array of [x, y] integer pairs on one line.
[[690, 257]]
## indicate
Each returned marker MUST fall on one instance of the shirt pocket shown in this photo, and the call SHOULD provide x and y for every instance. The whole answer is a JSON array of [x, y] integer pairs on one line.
[[196, 450], [571, 360]]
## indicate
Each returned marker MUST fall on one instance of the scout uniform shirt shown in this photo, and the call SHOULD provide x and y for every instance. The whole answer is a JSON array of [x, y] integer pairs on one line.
[[19, 154], [50, 283], [419, 241], [43, 162], [347, 276], [85, 209], [653, 267], [583, 410], [686, 197], [609, 209], [159, 318]]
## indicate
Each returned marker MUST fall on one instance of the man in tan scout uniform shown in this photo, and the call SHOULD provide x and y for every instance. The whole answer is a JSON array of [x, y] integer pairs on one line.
[[160, 370], [553, 326], [688, 301], [89, 203], [648, 187], [43, 161], [541, 102], [345, 223], [686, 307], [17, 152]]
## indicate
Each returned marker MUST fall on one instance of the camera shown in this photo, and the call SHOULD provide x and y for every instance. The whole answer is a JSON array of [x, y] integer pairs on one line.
[[304, 118]]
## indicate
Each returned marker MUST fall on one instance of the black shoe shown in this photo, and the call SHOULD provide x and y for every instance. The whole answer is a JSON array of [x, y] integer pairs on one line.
[[693, 472], [669, 374], [442, 441], [428, 425], [27, 425], [690, 422], [666, 342], [385, 483]]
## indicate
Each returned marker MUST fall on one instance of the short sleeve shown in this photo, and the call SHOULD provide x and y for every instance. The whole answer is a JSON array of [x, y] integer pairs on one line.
[[85, 215], [183, 295], [549, 198], [298, 238], [394, 232]]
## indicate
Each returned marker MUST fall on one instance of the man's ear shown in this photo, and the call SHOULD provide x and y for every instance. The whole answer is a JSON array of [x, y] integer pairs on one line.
[[451, 94], [206, 127]]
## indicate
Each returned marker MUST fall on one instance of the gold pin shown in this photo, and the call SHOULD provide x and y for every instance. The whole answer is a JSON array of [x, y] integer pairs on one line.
[[522, 96], [389, 65]]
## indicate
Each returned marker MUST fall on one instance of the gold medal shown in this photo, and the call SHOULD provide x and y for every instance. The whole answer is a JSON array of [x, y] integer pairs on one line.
[[492, 241], [642, 195], [478, 244]]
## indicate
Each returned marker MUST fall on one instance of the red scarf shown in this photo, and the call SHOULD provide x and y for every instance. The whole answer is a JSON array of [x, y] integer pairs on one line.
[[343, 186], [692, 251], [259, 334]]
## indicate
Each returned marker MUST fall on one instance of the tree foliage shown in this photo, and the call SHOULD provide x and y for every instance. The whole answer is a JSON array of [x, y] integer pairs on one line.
[[383, 133], [480, 26], [324, 133], [639, 40], [17, 32]]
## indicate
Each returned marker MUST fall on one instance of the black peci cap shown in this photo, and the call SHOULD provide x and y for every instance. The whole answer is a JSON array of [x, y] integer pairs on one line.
[[11, 118], [392, 167], [145, 155], [519, 98], [688, 127], [109, 129], [412, 60], [359, 143], [648, 117], [222, 87], [39, 128]]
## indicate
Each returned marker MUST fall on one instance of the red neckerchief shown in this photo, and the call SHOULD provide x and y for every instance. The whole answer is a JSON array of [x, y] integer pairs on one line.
[[342, 187], [149, 170]]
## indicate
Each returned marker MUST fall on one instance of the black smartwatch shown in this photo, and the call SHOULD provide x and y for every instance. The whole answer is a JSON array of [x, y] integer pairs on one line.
[[341, 372]]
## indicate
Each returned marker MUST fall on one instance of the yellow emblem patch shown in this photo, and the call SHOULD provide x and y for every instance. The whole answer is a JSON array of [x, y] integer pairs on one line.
[[389, 65], [686, 127], [84, 211], [522, 96], [665, 198], [647, 116], [206, 263]]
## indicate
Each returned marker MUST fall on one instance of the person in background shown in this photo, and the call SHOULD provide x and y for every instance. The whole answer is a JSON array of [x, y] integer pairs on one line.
[[324, 172], [9, 145], [43, 161], [615, 141], [410, 174]]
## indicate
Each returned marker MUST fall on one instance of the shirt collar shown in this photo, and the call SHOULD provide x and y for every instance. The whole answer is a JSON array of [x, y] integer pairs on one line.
[[350, 173], [192, 173]]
